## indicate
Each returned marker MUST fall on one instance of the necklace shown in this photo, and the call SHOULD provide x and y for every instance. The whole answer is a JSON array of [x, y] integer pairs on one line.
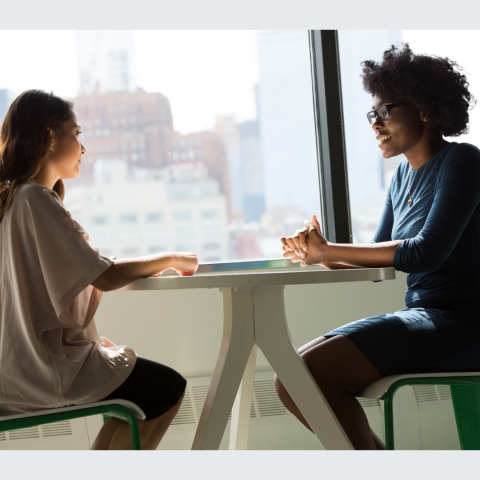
[[410, 200]]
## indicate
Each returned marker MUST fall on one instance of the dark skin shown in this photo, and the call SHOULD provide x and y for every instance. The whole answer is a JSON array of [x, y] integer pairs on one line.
[[337, 365]]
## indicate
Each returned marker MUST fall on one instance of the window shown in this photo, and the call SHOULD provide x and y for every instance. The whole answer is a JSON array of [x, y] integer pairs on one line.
[[221, 141], [100, 220], [182, 216], [128, 219], [154, 217]]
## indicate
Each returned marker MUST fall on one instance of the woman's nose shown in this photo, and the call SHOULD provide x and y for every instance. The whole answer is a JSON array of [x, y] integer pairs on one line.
[[84, 150], [377, 123]]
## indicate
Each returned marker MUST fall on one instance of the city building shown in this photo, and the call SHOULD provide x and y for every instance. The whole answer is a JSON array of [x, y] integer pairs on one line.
[[135, 127], [285, 113], [244, 156], [105, 61], [133, 212]]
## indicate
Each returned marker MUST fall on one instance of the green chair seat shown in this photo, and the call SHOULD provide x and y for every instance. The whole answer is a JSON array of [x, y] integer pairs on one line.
[[465, 390], [118, 408]]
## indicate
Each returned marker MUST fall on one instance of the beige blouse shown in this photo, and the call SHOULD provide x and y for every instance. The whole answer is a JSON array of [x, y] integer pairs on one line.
[[50, 352]]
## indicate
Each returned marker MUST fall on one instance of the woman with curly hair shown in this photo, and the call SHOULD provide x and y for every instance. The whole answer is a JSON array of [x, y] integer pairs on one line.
[[52, 280], [430, 228]]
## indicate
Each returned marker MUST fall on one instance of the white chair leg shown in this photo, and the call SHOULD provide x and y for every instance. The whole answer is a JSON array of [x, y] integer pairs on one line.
[[237, 343], [273, 338], [240, 424]]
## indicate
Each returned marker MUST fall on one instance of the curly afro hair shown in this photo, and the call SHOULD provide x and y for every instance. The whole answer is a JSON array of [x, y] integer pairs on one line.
[[432, 84]]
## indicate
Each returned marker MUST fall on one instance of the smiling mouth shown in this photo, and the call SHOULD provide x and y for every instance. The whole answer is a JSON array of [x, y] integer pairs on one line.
[[383, 139]]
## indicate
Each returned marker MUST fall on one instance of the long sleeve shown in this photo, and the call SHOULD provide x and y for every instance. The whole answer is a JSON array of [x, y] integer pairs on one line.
[[384, 229], [456, 196]]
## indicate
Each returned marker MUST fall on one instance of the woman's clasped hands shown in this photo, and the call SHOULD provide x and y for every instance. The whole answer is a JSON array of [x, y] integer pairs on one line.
[[307, 246]]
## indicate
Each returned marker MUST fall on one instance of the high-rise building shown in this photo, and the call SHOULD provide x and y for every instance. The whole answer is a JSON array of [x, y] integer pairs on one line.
[[286, 120], [138, 128], [226, 127], [105, 61], [131, 212], [135, 127], [6, 98], [252, 176]]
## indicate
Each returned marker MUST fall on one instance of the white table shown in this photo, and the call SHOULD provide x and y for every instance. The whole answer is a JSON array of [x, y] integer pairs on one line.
[[254, 316]]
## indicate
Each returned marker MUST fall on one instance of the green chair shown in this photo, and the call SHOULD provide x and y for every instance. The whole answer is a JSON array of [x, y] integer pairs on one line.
[[465, 390], [121, 409]]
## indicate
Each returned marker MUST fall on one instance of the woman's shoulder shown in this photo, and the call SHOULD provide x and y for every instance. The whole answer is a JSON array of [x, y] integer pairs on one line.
[[30, 194], [463, 149], [462, 155], [32, 191]]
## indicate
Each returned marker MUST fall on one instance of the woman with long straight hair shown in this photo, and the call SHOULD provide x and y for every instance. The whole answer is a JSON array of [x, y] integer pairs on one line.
[[52, 280]]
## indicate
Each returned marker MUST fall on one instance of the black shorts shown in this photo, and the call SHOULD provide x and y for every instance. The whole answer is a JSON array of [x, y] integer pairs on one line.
[[154, 387]]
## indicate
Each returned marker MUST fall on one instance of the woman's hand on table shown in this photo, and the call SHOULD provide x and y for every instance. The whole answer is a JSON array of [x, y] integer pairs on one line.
[[185, 263], [307, 245]]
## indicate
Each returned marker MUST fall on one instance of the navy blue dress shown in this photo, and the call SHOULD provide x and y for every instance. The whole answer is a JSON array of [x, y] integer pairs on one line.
[[439, 331]]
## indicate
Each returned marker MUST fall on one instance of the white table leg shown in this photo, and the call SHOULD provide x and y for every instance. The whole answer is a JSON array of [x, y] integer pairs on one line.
[[237, 342], [273, 338], [240, 424]]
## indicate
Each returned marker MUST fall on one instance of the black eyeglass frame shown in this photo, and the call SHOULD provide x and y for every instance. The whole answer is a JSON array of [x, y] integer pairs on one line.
[[371, 118]]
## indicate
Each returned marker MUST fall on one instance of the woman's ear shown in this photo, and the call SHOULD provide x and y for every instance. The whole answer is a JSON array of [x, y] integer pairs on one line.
[[51, 135]]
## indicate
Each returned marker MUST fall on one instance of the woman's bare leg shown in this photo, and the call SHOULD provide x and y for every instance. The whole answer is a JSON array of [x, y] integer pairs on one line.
[[105, 435], [151, 432], [341, 370]]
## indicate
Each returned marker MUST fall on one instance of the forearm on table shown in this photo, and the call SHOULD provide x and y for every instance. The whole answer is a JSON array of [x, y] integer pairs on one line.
[[127, 270], [373, 255]]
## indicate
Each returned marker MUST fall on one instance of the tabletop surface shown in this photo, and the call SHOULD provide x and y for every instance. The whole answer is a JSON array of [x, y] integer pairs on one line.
[[261, 279]]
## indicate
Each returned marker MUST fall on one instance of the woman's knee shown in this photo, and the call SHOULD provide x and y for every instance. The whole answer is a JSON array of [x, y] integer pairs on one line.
[[281, 391], [339, 364]]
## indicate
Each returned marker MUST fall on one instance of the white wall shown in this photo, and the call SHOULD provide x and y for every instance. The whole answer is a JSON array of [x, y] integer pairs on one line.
[[183, 329]]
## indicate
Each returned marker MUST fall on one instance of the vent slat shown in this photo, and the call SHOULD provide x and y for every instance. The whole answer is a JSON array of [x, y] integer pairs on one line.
[[267, 400], [369, 402], [444, 392], [185, 415], [57, 429], [24, 433], [431, 393], [3, 436]]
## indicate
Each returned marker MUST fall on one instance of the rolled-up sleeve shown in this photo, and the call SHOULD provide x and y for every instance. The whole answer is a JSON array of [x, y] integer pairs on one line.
[[456, 196]]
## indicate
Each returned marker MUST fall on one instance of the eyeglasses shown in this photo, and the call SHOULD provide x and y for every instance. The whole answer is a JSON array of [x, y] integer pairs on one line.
[[382, 112]]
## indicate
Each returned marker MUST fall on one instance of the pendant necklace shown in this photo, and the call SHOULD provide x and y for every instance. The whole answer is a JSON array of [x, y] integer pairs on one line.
[[410, 200]]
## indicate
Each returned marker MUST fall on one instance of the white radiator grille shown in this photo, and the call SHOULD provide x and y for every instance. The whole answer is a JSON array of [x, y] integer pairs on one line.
[[431, 393], [444, 392], [267, 400], [24, 433], [199, 393], [369, 402], [48, 430], [185, 414], [57, 429]]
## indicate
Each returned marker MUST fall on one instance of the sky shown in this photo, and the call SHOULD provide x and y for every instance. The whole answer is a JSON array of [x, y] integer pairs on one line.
[[203, 73]]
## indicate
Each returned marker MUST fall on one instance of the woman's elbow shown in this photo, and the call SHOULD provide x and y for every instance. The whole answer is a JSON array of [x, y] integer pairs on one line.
[[104, 282]]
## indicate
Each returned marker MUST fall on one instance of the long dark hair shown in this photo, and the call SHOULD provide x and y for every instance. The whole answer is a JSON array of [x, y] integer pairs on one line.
[[24, 140]]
